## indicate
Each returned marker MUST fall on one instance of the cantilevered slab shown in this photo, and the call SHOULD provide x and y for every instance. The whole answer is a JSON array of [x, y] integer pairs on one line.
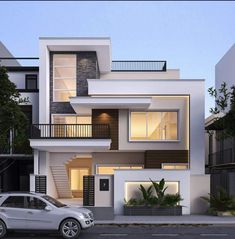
[[71, 145], [83, 105]]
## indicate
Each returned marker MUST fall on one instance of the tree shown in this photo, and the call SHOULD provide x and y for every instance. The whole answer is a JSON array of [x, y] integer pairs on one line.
[[13, 122], [225, 102]]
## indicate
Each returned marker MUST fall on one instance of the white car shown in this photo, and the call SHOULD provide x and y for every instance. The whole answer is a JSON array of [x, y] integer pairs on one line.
[[33, 211]]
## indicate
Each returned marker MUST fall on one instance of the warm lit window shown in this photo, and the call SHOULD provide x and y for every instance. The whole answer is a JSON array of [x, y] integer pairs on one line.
[[110, 169], [64, 76], [72, 126], [153, 126], [76, 178], [173, 166]]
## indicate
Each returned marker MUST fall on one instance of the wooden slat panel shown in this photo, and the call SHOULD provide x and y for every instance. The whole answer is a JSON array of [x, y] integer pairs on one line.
[[154, 158], [88, 190]]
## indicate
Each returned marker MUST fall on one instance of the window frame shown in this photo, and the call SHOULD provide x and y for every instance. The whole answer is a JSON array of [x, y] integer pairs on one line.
[[65, 66], [27, 78], [157, 140]]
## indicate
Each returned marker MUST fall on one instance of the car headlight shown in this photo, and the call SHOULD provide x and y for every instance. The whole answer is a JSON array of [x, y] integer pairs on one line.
[[84, 216]]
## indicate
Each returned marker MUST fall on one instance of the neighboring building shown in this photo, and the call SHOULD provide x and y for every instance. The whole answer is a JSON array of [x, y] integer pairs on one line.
[[17, 163], [221, 152]]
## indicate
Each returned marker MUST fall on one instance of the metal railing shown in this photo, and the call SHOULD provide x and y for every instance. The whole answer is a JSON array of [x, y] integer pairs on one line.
[[222, 157], [77, 131], [139, 65]]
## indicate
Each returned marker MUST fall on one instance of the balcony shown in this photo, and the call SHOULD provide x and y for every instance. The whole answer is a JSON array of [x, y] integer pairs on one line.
[[223, 157], [70, 137]]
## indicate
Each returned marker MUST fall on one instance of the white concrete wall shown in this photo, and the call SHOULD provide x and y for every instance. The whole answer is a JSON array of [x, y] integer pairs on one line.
[[169, 74], [44, 83], [103, 198], [19, 77], [179, 104], [193, 88], [199, 187], [225, 69], [122, 176], [44, 169]]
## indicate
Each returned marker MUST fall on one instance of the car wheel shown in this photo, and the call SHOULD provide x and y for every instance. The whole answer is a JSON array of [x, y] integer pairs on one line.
[[3, 229], [70, 229]]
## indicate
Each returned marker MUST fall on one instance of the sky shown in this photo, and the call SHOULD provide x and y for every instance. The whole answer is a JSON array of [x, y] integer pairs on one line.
[[190, 36]]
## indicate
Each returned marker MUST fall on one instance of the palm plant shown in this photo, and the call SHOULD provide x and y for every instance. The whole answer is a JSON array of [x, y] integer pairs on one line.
[[221, 201], [159, 189], [146, 194]]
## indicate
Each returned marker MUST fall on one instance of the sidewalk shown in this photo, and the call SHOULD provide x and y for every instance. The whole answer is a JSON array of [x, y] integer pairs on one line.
[[174, 220]]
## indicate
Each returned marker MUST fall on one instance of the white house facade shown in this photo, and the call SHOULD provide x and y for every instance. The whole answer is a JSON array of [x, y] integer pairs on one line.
[[106, 126]]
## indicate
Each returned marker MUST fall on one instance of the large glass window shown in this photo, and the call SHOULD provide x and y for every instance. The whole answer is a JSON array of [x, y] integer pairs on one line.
[[66, 126], [153, 126], [64, 76]]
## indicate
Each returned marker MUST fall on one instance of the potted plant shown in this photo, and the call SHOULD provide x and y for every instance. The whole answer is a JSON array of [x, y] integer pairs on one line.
[[149, 204], [221, 203]]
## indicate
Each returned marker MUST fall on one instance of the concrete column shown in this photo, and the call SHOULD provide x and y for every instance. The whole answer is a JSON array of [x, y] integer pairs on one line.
[[36, 161]]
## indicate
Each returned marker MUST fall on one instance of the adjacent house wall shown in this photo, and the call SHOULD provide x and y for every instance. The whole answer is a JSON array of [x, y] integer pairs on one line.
[[225, 69]]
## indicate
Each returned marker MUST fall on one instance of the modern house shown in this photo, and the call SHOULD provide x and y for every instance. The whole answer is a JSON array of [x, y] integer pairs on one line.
[[106, 126], [17, 163], [220, 151]]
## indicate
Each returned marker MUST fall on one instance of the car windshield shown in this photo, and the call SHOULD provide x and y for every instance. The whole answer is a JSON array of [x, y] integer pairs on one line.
[[53, 201]]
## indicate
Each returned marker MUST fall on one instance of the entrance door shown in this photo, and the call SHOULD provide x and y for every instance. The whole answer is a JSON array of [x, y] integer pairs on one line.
[[76, 180]]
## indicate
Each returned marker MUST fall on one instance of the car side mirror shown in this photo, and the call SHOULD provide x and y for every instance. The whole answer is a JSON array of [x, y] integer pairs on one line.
[[47, 208]]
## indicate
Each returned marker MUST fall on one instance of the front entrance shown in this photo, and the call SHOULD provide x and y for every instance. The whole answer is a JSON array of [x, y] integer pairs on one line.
[[78, 168]]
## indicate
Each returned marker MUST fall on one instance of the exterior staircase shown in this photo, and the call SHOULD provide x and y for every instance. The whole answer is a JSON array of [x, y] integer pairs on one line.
[[61, 180]]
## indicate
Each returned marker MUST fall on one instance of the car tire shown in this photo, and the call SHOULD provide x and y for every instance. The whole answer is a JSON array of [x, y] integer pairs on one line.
[[70, 228], [3, 229]]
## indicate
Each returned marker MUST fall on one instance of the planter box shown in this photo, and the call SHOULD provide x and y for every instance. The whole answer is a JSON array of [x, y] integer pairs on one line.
[[152, 211], [226, 214]]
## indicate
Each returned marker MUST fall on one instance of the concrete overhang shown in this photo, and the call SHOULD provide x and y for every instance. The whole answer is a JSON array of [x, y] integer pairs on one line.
[[102, 47], [71, 145], [84, 105]]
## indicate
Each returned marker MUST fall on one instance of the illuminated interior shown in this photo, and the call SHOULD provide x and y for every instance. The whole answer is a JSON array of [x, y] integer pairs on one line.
[[64, 129], [64, 76], [153, 125], [173, 166], [110, 169], [76, 178], [132, 191]]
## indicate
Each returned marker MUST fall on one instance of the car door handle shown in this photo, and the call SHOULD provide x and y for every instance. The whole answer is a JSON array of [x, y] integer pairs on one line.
[[29, 212]]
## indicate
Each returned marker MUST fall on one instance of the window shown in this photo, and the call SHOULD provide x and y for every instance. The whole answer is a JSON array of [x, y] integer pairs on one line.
[[174, 166], [76, 178], [65, 129], [31, 82], [53, 201], [14, 202], [64, 77], [35, 203], [110, 169], [153, 126]]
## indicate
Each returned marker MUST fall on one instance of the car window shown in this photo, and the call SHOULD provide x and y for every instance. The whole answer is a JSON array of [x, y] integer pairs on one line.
[[35, 203], [53, 201], [14, 201]]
